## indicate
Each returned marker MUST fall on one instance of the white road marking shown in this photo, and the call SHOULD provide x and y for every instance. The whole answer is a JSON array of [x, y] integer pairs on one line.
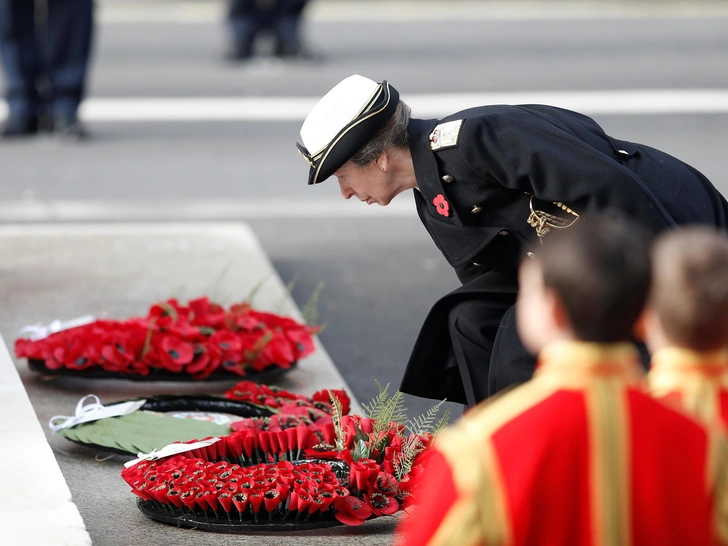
[[198, 210], [359, 11], [290, 109]]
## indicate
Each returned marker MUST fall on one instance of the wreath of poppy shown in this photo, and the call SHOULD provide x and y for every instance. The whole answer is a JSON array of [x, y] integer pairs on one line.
[[285, 479], [197, 341], [162, 419]]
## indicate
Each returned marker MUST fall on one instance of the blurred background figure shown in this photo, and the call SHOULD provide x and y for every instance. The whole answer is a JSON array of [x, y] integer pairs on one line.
[[686, 323], [45, 47], [248, 19]]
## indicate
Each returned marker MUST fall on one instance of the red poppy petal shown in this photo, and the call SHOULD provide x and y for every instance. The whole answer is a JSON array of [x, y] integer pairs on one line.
[[348, 519]]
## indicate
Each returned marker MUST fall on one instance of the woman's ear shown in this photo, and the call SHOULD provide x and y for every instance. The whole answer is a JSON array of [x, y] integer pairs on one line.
[[382, 161]]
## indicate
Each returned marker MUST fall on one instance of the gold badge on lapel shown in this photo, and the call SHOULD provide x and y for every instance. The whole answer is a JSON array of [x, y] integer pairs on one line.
[[445, 135]]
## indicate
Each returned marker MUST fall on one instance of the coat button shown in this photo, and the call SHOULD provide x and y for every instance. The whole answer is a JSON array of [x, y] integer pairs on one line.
[[447, 179], [476, 264], [476, 209], [504, 232]]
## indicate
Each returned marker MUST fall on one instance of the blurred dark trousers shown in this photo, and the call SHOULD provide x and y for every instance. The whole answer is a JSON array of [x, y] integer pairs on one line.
[[247, 18], [45, 45]]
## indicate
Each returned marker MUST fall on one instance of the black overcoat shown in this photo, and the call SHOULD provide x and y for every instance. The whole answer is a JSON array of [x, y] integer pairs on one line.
[[503, 156]]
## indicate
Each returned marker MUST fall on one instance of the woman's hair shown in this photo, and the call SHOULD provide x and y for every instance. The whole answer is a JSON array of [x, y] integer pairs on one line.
[[690, 287], [393, 134]]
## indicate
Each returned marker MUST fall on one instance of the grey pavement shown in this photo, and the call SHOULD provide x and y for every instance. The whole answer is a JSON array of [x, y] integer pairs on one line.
[[257, 159]]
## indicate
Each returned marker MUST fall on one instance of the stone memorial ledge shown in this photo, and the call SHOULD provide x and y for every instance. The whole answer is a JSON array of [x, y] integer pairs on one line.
[[35, 504]]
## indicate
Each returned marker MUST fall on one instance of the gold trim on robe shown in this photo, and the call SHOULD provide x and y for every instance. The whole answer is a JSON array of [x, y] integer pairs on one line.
[[698, 378]]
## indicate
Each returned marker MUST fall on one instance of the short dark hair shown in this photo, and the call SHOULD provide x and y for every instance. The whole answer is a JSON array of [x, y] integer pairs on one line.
[[690, 287], [600, 270], [393, 134]]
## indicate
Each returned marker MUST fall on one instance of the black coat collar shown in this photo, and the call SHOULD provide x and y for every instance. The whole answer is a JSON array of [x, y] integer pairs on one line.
[[426, 170], [457, 242]]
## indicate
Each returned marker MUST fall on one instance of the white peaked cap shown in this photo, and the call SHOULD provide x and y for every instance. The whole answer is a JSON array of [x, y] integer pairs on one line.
[[335, 110], [342, 122]]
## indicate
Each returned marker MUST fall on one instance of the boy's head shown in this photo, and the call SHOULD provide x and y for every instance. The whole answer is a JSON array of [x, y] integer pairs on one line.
[[688, 304], [588, 282]]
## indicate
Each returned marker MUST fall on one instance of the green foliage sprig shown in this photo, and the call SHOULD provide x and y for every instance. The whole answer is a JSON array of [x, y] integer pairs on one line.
[[310, 309], [388, 411], [336, 419]]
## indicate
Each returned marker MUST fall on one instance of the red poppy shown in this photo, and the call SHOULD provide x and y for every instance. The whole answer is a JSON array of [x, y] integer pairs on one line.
[[256, 501], [244, 321], [272, 321], [211, 358], [381, 504], [327, 497], [170, 308], [210, 497], [200, 309], [301, 340], [443, 207], [386, 483], [344, 400], [366, 425], [278, 350], [141, 492], [174, 496], [80, 355], [271, 499], [24, 348], [200, 500], [322, 451], [226, 501], [188, 498], [175, 353], [351, 510], [225, 340], [245, 391], [362, 472], [328, 434], [118, 352], [304, 499], [240, 500]]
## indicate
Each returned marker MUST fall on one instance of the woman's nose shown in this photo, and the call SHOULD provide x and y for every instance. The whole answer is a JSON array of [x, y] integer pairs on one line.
[[346, 192]]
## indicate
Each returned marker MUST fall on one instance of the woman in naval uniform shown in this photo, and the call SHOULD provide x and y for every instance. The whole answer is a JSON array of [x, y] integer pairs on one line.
[[487, 182]]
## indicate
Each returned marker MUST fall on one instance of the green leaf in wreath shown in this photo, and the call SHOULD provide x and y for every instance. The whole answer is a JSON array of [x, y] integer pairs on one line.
[[142, 431]]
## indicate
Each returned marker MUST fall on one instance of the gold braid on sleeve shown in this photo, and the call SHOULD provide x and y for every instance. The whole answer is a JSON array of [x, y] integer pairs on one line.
[[543, 221]]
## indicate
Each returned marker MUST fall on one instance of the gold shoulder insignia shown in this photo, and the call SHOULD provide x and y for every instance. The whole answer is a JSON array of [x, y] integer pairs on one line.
[[445, 135]]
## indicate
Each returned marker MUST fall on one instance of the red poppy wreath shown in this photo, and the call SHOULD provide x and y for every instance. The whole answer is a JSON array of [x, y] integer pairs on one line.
[[200, 340], [290, 476]]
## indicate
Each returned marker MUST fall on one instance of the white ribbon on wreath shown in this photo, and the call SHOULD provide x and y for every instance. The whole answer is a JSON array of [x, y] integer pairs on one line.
[[171, 449], [85, 413], [38, 331]]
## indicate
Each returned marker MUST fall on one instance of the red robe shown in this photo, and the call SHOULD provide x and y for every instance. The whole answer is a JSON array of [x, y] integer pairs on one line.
[[579, 455], [695, 382]]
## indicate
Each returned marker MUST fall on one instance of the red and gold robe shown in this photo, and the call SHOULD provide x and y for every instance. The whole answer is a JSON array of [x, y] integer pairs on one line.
[[695, 382], [579, 455]]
